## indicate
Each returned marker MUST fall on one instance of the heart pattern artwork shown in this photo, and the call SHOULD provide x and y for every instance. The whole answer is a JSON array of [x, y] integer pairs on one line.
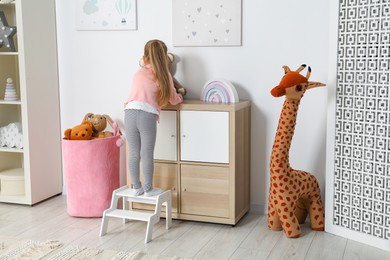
[[207, 23]]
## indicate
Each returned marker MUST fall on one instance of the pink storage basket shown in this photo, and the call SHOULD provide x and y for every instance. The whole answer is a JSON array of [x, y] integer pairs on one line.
[[91, 170]]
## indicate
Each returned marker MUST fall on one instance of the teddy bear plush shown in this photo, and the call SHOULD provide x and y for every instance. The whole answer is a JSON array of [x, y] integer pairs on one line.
[[79, 132], [99, 124], [179, 88]]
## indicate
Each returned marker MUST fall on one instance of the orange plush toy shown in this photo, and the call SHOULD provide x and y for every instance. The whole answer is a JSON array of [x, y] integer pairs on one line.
[[79, 132], [293, 193]]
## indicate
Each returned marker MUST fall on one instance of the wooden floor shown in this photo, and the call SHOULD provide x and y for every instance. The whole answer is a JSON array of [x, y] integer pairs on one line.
[[249, 239]]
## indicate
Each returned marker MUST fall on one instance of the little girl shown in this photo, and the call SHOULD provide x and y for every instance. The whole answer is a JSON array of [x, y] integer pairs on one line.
[[152, 89]]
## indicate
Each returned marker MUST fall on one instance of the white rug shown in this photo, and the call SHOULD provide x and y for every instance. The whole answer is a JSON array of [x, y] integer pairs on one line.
[[13, 249]]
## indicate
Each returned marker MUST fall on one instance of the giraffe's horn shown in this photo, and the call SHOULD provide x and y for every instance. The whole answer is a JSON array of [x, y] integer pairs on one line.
[[286, 69], [301, 68], [308, 73]]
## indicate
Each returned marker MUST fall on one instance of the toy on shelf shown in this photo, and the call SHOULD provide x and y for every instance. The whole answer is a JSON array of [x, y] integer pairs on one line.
[[6, 33], [10, 91], [293, 193], [11, 135], [219, 91]]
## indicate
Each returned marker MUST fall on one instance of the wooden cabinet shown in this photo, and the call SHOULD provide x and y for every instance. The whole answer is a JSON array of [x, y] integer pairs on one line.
[[205, 190], [33, 68], [208, 172]]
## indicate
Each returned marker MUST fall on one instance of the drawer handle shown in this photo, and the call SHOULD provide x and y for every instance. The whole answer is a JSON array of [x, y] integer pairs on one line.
[[184, 136], [173, 135]]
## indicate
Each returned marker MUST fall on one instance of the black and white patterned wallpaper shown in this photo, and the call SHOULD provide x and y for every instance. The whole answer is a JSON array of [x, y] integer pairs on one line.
[[362, 141]]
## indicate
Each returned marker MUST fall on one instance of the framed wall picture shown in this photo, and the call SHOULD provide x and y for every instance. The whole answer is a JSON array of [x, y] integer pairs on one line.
[[206, 23], [106, 15]]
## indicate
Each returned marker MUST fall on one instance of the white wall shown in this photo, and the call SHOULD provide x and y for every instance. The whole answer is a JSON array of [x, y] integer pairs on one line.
[[96, 69]]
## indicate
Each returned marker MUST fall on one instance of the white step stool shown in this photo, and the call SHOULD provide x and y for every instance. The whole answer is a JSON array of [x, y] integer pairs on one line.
[[165, 198]]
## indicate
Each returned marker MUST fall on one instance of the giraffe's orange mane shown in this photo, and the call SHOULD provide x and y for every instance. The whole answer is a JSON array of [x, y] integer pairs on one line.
[[290, 79]]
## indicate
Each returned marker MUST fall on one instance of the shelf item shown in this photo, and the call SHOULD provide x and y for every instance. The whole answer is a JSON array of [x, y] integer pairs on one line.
[[11, 135], [32, 65], [219, 91], [7, 33], [10, 91], [202, 155], [12, 182]]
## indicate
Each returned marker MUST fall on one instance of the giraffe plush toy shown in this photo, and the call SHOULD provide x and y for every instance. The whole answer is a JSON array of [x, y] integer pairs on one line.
[[293, 193]]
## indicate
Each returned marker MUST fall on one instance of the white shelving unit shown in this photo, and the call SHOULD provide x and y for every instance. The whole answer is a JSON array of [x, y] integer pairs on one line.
[[33, 68]]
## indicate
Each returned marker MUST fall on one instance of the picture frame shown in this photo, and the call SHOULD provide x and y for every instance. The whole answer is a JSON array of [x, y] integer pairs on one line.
[[106, 15], [206, 23]]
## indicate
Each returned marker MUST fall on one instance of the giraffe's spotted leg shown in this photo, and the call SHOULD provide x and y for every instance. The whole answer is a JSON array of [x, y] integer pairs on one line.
[[273, 218], [316, 211], [300, 211], [289, 222]]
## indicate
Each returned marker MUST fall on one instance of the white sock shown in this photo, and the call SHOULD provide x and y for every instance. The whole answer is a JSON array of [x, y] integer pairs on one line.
[[153, 192]]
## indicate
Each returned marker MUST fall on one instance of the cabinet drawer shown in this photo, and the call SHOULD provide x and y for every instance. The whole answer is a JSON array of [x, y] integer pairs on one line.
[[204, 136], [205, 190], [166, 140]]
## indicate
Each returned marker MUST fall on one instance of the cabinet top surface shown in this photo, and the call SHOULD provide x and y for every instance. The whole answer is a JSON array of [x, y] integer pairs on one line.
[[195, 104]]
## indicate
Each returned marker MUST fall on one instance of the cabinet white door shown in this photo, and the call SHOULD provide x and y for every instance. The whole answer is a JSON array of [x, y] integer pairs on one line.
[[204, 136], [166, 141]]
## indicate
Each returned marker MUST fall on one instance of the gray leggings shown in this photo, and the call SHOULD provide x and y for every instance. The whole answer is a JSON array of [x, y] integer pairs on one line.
[[141, 129]]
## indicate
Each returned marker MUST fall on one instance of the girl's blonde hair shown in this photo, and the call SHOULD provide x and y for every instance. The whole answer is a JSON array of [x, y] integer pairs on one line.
[[156, 54]]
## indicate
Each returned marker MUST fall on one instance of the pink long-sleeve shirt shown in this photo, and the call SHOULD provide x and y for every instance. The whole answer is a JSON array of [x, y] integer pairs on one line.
[[145, 89]]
